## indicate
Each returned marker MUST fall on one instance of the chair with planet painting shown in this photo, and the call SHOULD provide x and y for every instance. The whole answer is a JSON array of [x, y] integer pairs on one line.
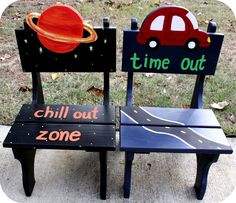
[[58, 40]]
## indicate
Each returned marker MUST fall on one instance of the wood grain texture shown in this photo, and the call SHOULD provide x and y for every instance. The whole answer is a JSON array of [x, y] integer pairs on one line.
[[93, 137]]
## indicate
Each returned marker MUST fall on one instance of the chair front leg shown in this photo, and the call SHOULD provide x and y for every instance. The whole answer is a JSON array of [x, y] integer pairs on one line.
[[26, 158], [204, 162], [103, 174], [129, 157]]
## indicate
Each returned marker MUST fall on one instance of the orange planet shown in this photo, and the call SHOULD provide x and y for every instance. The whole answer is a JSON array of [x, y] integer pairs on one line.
[[60, 28]]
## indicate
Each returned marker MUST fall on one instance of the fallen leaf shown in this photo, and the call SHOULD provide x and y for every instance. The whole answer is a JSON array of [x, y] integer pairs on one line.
[[232, 118], [149, 75], [156, 2], [96, 91], [109, 3], [169, 77], [220, 105], [185, 106], [25, 89], [203, 22], [55, 76], [4, 57], [17, 15]]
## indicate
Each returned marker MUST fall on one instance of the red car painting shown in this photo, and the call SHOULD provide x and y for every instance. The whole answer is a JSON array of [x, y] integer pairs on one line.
[[172, 26]]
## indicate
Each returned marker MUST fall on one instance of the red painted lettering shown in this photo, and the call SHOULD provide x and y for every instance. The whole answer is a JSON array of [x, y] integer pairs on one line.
[[66, 112], [86, 115], [51, 138], [48, 113], [75, 136], [40, 136], [64, 135], [59, 136], [77, 115], [61, 112], [37, 115], [95, 111]]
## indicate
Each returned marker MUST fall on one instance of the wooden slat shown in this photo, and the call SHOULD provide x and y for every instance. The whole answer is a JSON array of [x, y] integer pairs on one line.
[[67, 114], [155, 116], [138, 54], [99, 56], [92, 137], [173, 139]]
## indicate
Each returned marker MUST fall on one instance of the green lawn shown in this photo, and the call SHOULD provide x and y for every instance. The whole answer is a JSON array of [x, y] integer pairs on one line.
[[161, 89]]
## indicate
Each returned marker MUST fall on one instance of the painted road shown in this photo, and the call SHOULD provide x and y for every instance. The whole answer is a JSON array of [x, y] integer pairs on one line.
[[189, 136]]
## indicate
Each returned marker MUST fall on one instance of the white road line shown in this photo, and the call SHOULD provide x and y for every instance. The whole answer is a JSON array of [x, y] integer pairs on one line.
[[207, 138], [129, 117], [158, 132], [172, 135], [161, 118]]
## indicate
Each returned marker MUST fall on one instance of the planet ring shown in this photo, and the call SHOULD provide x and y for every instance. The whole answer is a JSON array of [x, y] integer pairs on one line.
[[59, 38]]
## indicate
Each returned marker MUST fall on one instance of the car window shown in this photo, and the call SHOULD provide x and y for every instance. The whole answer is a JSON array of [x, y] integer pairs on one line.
[[193, 20], [157, 23], [177, 24]]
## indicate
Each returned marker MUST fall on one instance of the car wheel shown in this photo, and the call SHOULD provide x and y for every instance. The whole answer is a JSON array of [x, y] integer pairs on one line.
[[153, 43], [192, 44]]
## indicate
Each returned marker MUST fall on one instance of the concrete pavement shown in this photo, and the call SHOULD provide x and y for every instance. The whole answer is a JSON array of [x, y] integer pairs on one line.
[[73, 176]]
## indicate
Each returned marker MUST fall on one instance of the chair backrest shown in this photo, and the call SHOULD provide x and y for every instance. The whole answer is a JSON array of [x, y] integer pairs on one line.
[[157, 49], [98, 56]]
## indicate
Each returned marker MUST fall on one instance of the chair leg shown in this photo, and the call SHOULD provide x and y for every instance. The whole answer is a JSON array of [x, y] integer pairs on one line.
[[103, 174], [129, 156], [204, 162], [26, 158]]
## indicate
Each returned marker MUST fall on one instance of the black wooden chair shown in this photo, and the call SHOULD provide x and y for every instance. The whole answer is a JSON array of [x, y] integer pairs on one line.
[[69, 127], [172, 130]]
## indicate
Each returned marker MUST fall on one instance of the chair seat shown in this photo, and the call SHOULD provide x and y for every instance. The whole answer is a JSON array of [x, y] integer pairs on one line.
[[63, 127], [150, 129]]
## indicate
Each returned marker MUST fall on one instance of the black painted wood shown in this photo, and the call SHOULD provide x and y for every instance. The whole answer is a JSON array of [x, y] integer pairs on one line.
[[154, 116], [103, 174], [37, 96], [73, 127], [26, 158], [87, 114], [98, 56], [92, 137]]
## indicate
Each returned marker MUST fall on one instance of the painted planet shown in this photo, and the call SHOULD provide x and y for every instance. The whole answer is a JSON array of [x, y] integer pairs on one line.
[[60, 28]]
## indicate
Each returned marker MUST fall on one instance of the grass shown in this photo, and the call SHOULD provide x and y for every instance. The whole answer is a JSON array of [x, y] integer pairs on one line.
[[160, 90]]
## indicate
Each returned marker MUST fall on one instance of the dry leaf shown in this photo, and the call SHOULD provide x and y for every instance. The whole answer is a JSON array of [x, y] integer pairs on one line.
[[185, 106], [41, 3], [55, 76], [169, 77], [203, 22], [231, 117], [156, 2], [96, 91], [17, 15], [219, 105], [4, 57], [25, 89], [149, 75]]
